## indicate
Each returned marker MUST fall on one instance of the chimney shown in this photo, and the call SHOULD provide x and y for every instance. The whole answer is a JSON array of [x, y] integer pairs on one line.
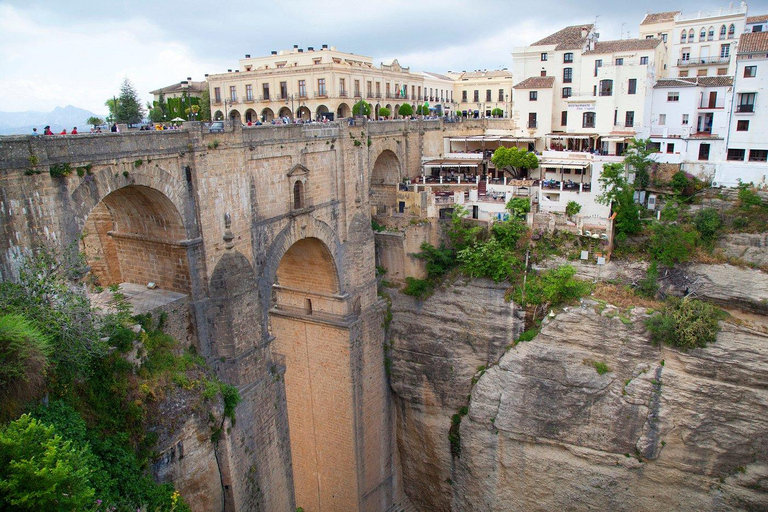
[[274, 52], [310, 48], [206, 75], [325, 47], [229, 71], [301, 50], [189, 78], [237, 71], [247, 55], [584, 32], [295, 47]]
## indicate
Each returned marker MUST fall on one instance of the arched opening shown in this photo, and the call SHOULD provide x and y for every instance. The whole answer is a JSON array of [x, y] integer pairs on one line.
[[298, 195], [384, 180], [312, 339], [267, 115], [136, 235], [376, 111], [343, 111], [285, 112], [234, 116], [218, 116], [396, 113], [321, 112], [250, 116], [304, 114]]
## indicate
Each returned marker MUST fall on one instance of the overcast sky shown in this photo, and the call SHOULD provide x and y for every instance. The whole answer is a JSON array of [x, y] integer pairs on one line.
[[77, 52]]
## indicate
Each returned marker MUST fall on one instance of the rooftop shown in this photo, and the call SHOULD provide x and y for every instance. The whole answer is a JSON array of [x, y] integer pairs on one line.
[[183, 86], [503, 73], [753, 42], [696, 81], [659, 17], [762, 18], [624, 45], [569, 38], [536, 82]]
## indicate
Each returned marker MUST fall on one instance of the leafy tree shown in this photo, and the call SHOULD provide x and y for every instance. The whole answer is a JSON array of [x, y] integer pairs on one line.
[[509, 233], [24, 352], [637, 159], [497, 112], [681, 183], [384, 112], [365, 106], [95, 121], [40, 471], [619, 194], [515, 160], [129, 108], [488, 259], [686, 323], [572, 208], [672, 243], [439, 260], [461, 233], [112, 104], [205, 106], [708, 223], [552, 288], [519, 207], [405, 110]]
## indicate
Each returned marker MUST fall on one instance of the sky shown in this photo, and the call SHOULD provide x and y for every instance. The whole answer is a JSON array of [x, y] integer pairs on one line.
[[78, 52]]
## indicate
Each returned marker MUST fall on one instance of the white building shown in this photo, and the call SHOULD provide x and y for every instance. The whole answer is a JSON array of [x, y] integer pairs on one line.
[[747, 139]]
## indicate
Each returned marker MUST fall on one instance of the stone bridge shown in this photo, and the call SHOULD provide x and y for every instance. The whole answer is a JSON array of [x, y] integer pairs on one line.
[[267, 231]]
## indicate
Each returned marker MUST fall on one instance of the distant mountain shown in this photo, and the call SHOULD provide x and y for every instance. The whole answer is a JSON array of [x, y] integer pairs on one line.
[[12, 123]]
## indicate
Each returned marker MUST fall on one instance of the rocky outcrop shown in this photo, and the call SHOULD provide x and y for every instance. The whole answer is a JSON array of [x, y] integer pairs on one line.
[[749, 247], [436, 347], [590, 416], [726, 285]]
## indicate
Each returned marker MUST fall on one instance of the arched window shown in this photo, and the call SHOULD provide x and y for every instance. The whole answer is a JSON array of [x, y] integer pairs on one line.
[[690, 35], [711, 34], [722, 32], [731, 31], [684, 37], [298, 195], [703, 34]]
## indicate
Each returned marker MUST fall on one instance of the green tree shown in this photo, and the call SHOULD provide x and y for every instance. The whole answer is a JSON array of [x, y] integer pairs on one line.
[[129, 108], [514, 160], [637, 159], [24, 352], [361, 104], [112, 104], [672, 243], [519, 207], [619, 195], [572, 208], [384, 112], [405, 110], [95, 121], [488, 259], [552, 288], [497, 112], [708, 224], [40, 471], [205, 106]]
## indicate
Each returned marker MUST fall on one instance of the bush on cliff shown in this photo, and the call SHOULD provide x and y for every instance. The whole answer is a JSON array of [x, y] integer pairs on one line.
[[685, 323]]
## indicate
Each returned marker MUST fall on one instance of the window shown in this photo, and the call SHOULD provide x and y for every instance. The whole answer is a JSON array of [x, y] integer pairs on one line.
[[606, 87], [357, 88], [722, 71], [725, 50], [302, 89], [316, 61], [632, 86], [670, 147], [703, 151], [742, 125], [564, 118], [284, 89], [477, 95], [501, 94], [588, 120], [750, 71], [532, 120], [369, 88], [543, 72], [664, 38], [533, 95], [217, 94], [265, 89], [464, 96], [232, 93], [656, 146], [620, 61], [722, 32], [702, 34], [683, 74], [737, 154], [746, 102], [662, 119], [342, 86], [248, 92], [684, 36], [594, 90], [731, 31], [568, 57], [673, 96], [644, 60], [321, 86], [757, 28], [758, 155], [598, 65], [685, 55], [298, 195], [711, 34], [567, 91], [690, 36], [543, 57], [701, 72], [685, 119], [567, 75], [629, 119], [488, 95]]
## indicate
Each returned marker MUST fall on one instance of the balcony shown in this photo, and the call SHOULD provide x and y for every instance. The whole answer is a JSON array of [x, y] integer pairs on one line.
[[248, 99], [343, 94], [532, 124], [369, 95], [321, 94], [706, 104], [217, 101], [621, 126], [232, 100], [703, 61], [264, 97], [378, 95], [747, 108]]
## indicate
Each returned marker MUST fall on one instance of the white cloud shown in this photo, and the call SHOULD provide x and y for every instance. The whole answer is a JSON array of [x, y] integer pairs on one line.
[[43, 66]]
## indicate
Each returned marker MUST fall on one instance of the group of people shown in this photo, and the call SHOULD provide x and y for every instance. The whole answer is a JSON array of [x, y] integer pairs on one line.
[[96, 129]]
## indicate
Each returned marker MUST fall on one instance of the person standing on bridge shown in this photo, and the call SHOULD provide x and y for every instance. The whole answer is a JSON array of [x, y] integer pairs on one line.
[[47, 131]]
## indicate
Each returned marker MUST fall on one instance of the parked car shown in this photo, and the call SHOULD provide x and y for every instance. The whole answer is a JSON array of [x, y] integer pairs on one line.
[[216, 127]]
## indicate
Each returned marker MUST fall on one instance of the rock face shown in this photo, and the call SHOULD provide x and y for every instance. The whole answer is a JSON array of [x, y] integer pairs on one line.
[[749, 247], [436, 347], [659, 428], [726, 285]]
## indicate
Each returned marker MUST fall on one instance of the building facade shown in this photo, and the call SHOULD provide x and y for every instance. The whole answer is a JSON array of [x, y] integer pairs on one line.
[[480, 93]]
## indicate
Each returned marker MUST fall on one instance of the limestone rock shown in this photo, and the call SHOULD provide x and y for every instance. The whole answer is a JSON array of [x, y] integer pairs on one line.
[[749, 247], [726, 285], [661, 428]]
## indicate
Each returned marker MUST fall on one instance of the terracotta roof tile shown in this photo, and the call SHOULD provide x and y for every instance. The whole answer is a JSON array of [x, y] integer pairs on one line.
[[536, 82], [624, 45], [486, 74], [658, 17], [753, 42], [695, 81], [569, 38], [758, 19], [192, 87]]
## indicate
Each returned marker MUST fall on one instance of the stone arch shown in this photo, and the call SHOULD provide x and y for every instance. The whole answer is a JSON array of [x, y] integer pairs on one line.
[[308, 265], [396, 112], [267, 115], [343, 111], [385, 177], [218, 116], [234, 115], [250, 116], [285, 112], [321, 110], [304, 113], [136, 234]]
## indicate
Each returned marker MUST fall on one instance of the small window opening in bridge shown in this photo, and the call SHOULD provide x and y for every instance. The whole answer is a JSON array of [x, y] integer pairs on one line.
[[298, 195], [308, 306]]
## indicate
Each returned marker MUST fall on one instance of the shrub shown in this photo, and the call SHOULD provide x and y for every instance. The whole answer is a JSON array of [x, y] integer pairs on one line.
[[708, 224], [24, 352], [572, 208], [600, 367], [384, 112], [60, 170], [509, 232], [685, 323], [439, 260], [519, 206], [740, 222], [461, 233], [488, 259], [405, 110], [748, 197], [649, 287], [418, 288], [671, 243], [552, 288], [497, 112]]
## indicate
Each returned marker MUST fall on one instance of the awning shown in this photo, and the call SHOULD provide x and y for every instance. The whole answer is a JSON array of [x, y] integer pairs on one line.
[[615, 139], [568, 136], [491, 138], [452, 163], [564, 164]]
